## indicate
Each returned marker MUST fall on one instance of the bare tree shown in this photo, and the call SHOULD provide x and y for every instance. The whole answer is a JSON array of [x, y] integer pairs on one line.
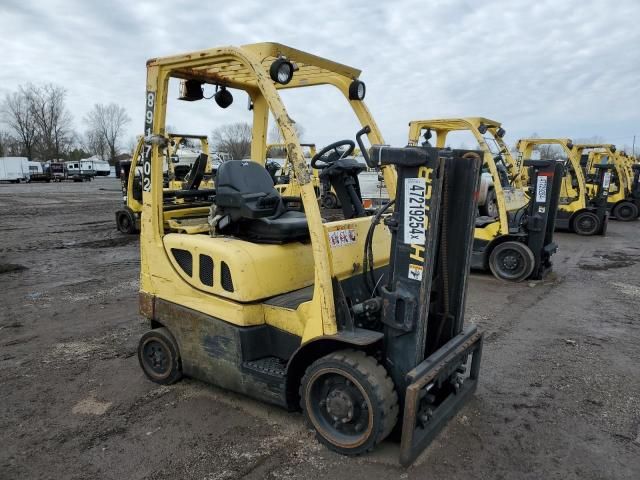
[[53, 120], [107, 123], [18, 116], [95, 143], [235, 139]]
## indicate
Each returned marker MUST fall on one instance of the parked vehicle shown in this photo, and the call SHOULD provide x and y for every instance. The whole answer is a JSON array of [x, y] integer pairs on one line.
[[57, 171], [38, 172], [80, 171], [14, 169]]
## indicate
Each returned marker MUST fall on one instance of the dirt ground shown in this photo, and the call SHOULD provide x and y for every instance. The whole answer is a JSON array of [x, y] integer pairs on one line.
[[560, 380]]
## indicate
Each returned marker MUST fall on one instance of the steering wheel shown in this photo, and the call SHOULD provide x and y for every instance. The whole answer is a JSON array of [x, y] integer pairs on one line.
[[325, 162]]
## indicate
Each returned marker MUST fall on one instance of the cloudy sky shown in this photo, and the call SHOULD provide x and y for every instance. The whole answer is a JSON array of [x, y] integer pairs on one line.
[[556, 68]]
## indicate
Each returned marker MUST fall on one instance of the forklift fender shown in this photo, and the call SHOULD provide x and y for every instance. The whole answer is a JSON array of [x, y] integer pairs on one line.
[[309, 352]]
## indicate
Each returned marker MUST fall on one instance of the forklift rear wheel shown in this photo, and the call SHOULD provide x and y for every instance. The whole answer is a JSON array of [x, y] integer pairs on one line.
[[348, 397], [159, 357], [330, 201], [625, 211], [126, 224], [586, 223], [512, 261]]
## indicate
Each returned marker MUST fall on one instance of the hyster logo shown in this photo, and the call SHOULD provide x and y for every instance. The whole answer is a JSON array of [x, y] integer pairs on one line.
[[417, 250]]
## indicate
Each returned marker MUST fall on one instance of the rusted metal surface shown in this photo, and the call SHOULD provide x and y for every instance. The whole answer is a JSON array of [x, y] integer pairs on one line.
[[211, 351], [146, 305]]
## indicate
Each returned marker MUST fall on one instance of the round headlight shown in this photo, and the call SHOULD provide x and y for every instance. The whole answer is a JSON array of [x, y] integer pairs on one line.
[[281, 71], [357, 90], [223, 98]]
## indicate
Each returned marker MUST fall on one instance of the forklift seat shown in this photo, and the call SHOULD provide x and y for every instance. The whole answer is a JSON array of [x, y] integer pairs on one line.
[[250, 207]]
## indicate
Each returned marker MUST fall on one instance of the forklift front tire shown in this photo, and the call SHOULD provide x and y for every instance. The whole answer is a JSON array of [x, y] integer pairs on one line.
[[625, 211], [159, 357], [586, 223], [512, 261], [350, 401]]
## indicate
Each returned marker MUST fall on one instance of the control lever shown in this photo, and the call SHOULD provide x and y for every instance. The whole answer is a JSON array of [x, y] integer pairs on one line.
[[365, 153]]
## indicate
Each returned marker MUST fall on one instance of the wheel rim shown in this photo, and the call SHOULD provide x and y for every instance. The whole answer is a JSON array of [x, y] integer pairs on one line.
[[587, 223], [339, 408], [156, 358], [625, 211], [511, 263]]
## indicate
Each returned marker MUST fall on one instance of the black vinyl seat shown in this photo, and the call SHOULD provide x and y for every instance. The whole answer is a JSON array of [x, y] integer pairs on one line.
[[248, 206]]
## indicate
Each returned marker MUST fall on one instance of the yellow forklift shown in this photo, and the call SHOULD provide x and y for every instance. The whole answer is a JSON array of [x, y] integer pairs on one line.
[[282, 173], [623, 202], [516, 243], [176, 177], [358, 322], [582, 208]]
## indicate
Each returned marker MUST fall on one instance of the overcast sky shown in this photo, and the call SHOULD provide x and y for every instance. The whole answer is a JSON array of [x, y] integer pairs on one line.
[[557, 68]]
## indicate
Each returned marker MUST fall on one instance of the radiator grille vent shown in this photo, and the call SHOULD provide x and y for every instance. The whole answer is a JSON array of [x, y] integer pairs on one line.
[[226, 280], [184, 259], [206, 270]]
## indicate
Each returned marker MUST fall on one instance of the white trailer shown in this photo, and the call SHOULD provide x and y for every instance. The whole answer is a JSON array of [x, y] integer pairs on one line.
[[80, 171], [14, 169]]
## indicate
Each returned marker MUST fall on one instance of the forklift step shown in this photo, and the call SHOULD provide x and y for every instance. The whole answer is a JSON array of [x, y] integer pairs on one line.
[[292, 300], [271, 366]]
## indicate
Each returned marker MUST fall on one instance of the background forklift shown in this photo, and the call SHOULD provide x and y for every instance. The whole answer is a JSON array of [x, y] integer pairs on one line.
[[622, 202], [174, 179], [581, 209], [359, 321], [517, 243]]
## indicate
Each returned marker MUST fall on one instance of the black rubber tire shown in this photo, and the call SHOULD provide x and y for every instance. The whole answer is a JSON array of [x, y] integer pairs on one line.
[[586, 223], [625, 211], [361, 372], [330, 201], [503, 256], [159, 356], [490, 207], [125, 222]]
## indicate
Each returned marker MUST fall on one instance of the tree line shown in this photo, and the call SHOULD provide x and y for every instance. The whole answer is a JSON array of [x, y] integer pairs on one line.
[[36, 123]]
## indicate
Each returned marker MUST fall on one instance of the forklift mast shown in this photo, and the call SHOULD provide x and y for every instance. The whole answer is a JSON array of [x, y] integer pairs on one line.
[[423, 299], [546, 182]]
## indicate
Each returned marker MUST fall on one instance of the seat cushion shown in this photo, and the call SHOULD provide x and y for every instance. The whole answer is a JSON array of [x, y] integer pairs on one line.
[[291, 226]]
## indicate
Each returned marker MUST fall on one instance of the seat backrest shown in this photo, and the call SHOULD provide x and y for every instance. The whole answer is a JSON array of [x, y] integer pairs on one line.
[[244, 189], [195, 175]]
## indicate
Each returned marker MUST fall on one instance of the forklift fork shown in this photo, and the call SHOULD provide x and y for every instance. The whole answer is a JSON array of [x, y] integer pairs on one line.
[[423, 420]]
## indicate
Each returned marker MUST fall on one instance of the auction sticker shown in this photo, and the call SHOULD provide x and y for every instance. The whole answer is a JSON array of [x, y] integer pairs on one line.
[[342, 236], [414, 210]]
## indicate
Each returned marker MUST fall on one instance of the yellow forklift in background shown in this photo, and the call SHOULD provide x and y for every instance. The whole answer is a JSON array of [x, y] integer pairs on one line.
[[582, 208], [282, 173], [192, 177], [359, 321], [516, 243], [623, 201]]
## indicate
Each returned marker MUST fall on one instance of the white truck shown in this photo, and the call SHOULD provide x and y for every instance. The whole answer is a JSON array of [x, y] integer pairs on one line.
[[14, 169]]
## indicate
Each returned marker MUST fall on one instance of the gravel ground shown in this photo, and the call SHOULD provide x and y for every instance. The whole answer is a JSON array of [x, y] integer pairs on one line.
[[560, 379]]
